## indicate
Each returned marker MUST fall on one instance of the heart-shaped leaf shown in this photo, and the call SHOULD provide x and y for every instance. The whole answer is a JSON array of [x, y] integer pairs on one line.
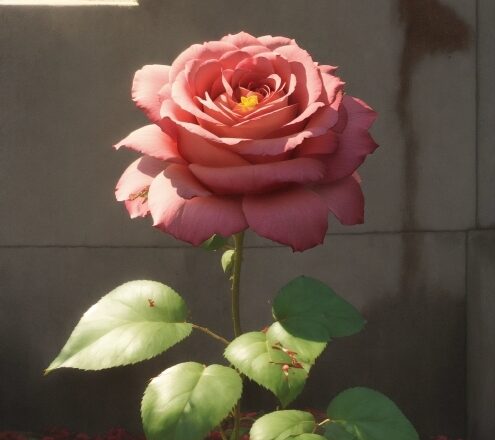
[[282, 425], [368, 415], [309, 314], [268, 365], [134, 322], [187, 400]]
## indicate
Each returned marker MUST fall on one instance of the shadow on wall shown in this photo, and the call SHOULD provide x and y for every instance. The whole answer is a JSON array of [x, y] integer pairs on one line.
[[412, 350], [431, 28]]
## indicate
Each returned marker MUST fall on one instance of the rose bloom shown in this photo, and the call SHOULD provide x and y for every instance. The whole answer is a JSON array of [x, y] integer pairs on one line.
[[246, 133]]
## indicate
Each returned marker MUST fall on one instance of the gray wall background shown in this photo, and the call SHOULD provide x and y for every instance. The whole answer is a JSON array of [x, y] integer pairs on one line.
[[421, 269]]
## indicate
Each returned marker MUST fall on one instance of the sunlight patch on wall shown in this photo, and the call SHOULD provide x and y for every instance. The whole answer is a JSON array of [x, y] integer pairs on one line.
[[69, 2]]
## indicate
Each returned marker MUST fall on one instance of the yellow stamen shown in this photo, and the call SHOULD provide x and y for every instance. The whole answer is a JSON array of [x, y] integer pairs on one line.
[[248, 103]]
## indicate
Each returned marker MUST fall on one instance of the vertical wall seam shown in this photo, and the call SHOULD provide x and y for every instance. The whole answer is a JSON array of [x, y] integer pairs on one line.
[[477, 110], [467, 335]]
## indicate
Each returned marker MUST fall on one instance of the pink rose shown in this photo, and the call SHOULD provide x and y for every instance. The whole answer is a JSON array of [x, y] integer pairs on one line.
[[246, 133]]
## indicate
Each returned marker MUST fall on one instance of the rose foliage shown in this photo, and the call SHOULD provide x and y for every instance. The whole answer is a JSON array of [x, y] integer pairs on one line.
[[244, 133]]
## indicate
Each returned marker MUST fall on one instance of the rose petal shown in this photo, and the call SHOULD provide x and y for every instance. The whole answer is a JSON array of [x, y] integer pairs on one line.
[[241, 40], [355, 142], [296, 217], [183, 97], [203, 76], [196, 149], [152, 141], [327, 69], [260, 177], [230, 60], [206, 51], [145, 87], [275, 42], [309, 85], [198, 130], [326, 117], [359, 113], [136, 178], [194, 220], [216, 111], [253, 50], [258, 65], [345, 199], [186, 185], [324, 144], [332, 85], [272, 146], [258, 127], [170, 109]]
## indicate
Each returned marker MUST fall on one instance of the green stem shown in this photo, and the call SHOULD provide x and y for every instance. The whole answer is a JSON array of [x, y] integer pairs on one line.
[[236, 316], [236, 281], [210, 333]]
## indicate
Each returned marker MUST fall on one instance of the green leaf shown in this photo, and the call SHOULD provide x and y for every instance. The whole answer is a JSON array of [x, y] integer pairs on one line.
[[215, 242], [281, 425], [335, 431], [134, 322], [253, 355], [306, 350], [187, 400], [369, 415], [311, 314], [228, 260]]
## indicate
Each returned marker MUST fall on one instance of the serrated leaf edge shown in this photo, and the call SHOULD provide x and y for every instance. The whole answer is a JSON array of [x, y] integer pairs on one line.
[[50, 368]]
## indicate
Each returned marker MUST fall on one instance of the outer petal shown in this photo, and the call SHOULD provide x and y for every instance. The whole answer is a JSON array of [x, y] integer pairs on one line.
[[296, 217], [274, 42], [152, 141], [327, 69], [355, 142], [205, 51], [148, 81], [186, 185], [242, 39], [345, 199], [260, 177], [136, 178], [193, 220], [332, 85]]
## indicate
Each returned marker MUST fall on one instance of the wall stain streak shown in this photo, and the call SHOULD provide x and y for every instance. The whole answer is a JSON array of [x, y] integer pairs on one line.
[[431, 28]]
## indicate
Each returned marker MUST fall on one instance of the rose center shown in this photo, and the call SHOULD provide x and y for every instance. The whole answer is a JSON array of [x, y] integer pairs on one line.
[[248, 103]]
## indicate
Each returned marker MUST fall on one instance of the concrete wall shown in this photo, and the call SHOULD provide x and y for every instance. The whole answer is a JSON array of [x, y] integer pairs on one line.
[[64, 90]]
